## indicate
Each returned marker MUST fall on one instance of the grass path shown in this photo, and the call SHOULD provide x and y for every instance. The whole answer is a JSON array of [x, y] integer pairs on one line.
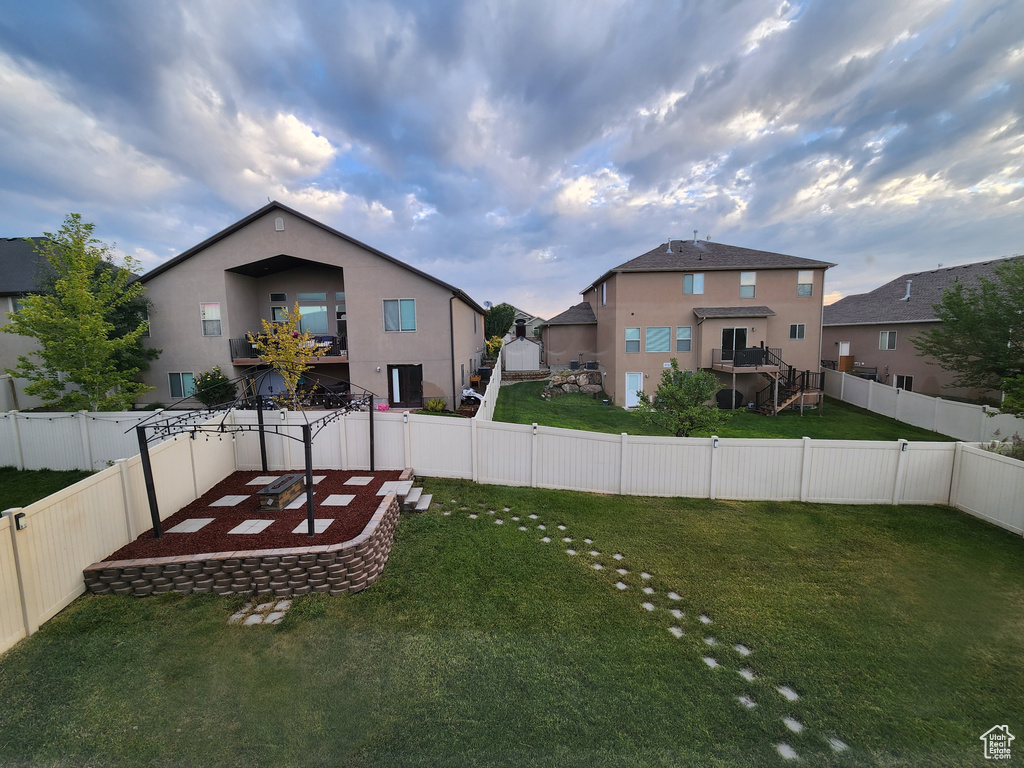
[[481, 644]]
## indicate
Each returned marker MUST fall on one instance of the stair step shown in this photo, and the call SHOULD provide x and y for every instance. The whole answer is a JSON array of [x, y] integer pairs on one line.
[[412, 497], [424, 503], [403, 489]]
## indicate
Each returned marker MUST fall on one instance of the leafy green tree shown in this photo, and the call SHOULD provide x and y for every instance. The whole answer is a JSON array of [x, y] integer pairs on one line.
[[212, 387], [287, 350], [498, 320], [84, 358], [981, 338], [680, 403]]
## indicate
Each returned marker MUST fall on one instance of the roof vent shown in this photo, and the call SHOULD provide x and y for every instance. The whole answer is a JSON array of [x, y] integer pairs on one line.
[[907, 297], [668, 246], [279, 224], [695, 237]]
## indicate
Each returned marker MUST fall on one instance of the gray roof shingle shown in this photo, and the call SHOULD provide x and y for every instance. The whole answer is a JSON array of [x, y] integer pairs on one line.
[[581, 314], [706, 312], [884, 305], [706, 256], [20, 265]]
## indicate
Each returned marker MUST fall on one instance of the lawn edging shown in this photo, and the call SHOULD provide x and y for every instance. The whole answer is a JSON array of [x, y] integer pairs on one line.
[[333, 569]]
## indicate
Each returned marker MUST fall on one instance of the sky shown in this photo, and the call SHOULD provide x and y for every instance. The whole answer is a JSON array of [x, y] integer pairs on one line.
[[518, 150]]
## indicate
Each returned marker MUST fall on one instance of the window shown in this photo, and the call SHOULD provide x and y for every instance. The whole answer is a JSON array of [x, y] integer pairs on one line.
[[905, 382], [279, 298], [658, 339], [399, 314], [796, 331], [693, 283], [887, 340], [182, 385], [339, 296], [16, 303], [211, 319], [313, 319], [322, 296], [684, 337], [632, 339], [279, 314], [145, 316], [805, 282], [604, 294], [748, 284]]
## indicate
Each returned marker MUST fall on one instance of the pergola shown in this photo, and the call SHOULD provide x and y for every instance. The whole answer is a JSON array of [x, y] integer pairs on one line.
[[165, 424]]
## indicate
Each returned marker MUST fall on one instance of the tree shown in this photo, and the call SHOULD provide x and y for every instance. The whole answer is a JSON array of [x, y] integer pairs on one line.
[[498, 320], [212, 387], [981, 338], [680, 403], [287, 350], [88, 344]]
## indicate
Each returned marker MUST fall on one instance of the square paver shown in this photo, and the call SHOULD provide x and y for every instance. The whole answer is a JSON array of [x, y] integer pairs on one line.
[[264, 480], [297, 503], [229, 501], [359, 481], [395, 486], [337, 500], [319, 525], [252, 526], [318, 478], [191, 526]]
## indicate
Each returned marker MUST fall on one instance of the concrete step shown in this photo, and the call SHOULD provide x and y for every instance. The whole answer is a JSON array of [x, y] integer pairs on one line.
[[412, 497], [424, 502], [403, 489]]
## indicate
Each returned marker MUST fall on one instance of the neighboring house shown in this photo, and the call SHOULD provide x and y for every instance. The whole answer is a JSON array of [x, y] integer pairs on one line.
[[379, 323], [871, 334], [20, 270], [743, 313], [529, 323]]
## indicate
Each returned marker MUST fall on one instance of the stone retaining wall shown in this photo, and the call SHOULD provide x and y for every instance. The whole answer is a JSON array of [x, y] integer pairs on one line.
[[351, 566]]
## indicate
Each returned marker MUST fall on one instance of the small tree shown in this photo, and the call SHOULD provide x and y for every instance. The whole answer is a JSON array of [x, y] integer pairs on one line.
[[680, 403], [212, 387], [287, 350], [981, 337], [493, 347], [89, 351], [498, 320]]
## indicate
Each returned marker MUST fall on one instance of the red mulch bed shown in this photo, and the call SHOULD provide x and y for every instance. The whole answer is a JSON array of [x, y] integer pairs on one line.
[[214, 537]]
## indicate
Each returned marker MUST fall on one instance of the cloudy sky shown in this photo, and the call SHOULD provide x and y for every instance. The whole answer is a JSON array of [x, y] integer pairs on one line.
[[520, 149]]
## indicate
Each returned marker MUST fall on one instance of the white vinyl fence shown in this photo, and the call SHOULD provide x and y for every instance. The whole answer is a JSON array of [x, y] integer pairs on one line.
[[82, 440], [971, 423], [486, 411], [41, 564]]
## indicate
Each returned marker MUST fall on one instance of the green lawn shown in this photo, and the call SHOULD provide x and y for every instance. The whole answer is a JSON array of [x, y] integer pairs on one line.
[[521, 404], [21, 488], [900, 628]]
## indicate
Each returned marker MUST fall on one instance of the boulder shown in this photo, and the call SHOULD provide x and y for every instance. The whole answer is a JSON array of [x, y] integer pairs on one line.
[[570, 387], [591, 388]]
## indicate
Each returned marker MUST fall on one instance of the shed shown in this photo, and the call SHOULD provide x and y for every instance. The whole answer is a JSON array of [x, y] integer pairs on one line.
[[522, 354]]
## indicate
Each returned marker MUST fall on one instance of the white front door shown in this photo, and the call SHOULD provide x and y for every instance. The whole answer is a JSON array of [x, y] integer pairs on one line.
[[844, 349], [634, 381]]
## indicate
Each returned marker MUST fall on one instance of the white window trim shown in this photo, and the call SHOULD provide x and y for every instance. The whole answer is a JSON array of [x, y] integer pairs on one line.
[[637, 340], [688, 339], [800, 330], [647, 339], [752, 285], [887, 335], [384, 320], [203, 320], [693, 284], [181, 384]]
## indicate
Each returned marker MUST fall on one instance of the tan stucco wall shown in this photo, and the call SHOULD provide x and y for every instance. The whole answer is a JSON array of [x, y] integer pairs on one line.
[[639, 299], [563, 343], [366, 278], [11, 346]]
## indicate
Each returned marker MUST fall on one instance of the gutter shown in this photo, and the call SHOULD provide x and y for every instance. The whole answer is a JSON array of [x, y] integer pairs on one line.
[[451, 337]]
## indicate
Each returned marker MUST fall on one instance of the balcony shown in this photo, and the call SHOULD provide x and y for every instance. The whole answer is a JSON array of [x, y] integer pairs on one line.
[[327, 350], [746, 360]]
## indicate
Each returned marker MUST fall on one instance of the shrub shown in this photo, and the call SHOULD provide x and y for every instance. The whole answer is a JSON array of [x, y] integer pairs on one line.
[[1013, 447], [493, 347], [212, 387], [435, 405]]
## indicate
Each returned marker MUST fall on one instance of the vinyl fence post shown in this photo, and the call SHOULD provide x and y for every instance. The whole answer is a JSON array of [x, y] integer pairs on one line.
[[936, 414], [842, 387], [17, 438], [713, 480], [533, 457], [83, 424], [192, 464], [901, 471], [805, 470], [623, 481], [30, 626], [407, 434], [954, 480], [474, 446], [126, 496]]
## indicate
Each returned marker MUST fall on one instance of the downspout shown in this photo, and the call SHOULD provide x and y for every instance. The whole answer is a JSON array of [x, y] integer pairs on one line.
[[451, 336]]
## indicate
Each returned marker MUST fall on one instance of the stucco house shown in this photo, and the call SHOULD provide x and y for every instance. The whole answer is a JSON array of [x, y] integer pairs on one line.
[[20, 270], [870, 334], [748, 315], [380, 323]]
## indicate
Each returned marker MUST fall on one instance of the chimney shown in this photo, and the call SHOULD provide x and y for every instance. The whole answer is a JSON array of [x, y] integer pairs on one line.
[[907, 297]]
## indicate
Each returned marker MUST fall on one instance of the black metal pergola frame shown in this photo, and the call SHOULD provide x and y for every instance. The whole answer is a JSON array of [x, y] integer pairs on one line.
[[192, 422]]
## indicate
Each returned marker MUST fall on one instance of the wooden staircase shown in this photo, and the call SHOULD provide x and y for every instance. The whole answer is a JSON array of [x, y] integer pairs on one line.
[[788, 386]]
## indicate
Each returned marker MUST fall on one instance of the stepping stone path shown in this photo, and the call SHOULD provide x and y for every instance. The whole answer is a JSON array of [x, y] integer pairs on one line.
[[273, 612], [270, 612]]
